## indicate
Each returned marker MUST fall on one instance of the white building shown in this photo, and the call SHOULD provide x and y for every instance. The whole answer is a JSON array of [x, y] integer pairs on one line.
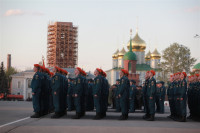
[[144, 62]]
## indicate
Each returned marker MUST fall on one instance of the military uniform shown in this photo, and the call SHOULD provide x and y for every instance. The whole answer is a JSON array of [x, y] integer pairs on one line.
[[36, 85], [157, 98], [56, 85], [79, 90], [70, 102], [114, 96], [150, 95], [63, 97], [124, 97], [104, 97], [132, 94], [117, 99], [89, 98], [97, 90], [170, 94], [163, 92], [176, 99], [196, 100], [160, 98], [145, 99], [46, 93]]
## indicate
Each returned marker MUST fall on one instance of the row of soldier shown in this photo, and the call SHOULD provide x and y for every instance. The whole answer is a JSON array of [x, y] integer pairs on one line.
[[56, 93], [53, 92], [136, 97], [180, 92]]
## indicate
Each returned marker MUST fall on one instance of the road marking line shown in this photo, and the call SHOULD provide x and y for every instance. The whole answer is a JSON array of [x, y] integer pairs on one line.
[[14, 122]]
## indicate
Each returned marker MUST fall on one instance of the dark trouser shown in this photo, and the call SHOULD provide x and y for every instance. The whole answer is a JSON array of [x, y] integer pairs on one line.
[[56, 102], [177, 108], [36, 102], [183, 107], [157, 100], [124, 105], [172, 106], [46, 102], [151, 106], [132, 104], [118, 108], [50, 102], [98, 105], [82, 104], [114, 103], [77, 103], [198, 105], [162, 107], [104, 103], [89, 102], [70, 102], [63, 104], [189, 103], [145, 103]]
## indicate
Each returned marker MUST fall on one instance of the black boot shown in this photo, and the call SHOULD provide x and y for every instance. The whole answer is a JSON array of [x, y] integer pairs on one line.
[[77, 116], [103, 115], [82, 114], [151, 118], [123, 117], [56, 115], [36, 115], [189, 117], [182, 119], [126, 116], [146, 116], [170, 116], [98, 116]]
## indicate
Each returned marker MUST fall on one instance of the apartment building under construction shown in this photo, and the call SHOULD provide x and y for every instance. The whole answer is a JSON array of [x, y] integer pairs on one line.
[[62, 45]]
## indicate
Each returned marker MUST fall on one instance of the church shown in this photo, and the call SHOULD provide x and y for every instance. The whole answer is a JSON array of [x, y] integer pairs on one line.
[[135, 61]]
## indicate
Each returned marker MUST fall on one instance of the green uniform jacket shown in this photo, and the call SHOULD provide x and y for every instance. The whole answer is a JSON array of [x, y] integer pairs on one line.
[[36, 83], [98, 82], [151, 88]]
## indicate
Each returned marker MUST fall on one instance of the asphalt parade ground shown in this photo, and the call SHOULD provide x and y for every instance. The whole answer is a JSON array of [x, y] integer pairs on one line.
[[15, 118]]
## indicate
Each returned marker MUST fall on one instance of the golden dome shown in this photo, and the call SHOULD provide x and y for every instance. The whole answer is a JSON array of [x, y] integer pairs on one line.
[[137, 43], [122, 52], [148, 56], [115, 55], [155, 54]]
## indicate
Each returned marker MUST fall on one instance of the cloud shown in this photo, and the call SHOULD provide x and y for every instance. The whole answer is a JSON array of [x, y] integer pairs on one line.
[[18, 12], [193, 9], [13, 12], [37, 13]]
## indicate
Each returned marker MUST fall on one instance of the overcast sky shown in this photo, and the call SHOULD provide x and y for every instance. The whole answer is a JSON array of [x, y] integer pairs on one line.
[[103, 27]]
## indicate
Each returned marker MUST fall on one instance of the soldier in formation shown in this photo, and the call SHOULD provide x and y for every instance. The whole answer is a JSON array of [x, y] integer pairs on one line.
[[160, 97], [124, 94], [193, 94], [54, 92]]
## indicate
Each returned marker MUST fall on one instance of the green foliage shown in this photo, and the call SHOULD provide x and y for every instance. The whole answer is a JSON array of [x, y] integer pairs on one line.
[[3, 80], [177, 58]]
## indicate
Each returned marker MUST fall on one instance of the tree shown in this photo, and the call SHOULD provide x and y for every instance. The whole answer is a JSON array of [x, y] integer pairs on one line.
[[3, 80], [177, 58], [10, 72]]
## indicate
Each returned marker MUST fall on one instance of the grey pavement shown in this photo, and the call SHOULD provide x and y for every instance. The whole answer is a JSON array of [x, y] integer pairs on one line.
[[13, 111]]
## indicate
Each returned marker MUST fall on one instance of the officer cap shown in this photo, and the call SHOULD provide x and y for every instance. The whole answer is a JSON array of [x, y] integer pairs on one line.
[[153, 72], [125, 72]]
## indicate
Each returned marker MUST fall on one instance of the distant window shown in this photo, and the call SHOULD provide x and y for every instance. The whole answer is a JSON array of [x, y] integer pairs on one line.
[[29, 83], [19, 85]]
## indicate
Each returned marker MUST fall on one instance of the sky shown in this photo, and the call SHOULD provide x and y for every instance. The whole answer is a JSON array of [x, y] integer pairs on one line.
[[103, 27]]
